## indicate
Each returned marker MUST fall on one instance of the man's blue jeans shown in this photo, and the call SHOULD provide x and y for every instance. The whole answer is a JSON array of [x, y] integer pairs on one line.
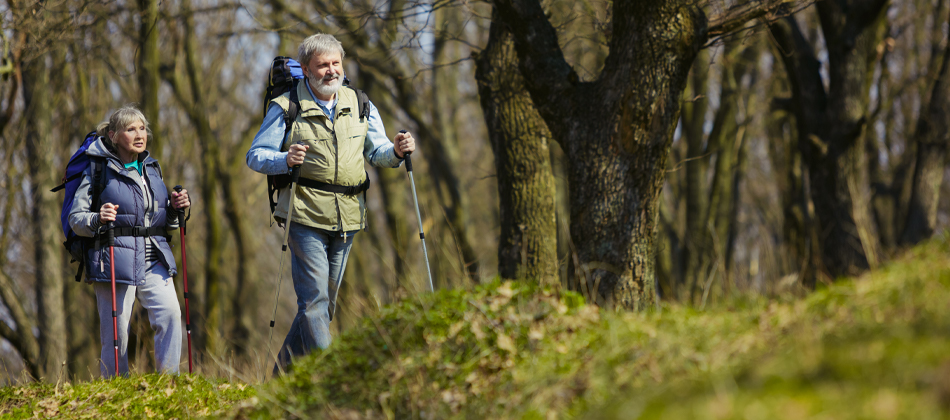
[[318, 259]]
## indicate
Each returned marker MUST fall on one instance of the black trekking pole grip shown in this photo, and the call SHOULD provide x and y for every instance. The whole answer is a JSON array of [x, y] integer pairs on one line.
[[110, 233], [406, 156], [295, 174], [181, 212], [295, 170]]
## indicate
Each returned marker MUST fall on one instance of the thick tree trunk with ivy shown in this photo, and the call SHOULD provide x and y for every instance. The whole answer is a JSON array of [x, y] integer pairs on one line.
[[616, 131], [519, 138], [831, 126]]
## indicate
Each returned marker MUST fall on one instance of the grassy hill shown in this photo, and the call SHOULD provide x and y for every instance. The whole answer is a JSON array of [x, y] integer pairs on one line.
[[873, 347]]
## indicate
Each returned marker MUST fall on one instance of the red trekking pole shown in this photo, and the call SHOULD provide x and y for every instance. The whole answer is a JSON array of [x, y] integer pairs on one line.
[[184, 271], [115, 325]]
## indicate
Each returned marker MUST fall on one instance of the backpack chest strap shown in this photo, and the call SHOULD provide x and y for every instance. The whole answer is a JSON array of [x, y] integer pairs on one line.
[[139, 231]]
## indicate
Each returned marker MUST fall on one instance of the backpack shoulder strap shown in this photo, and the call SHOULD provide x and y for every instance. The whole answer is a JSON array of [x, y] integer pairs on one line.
[[98, 184], [293, 109], [362, 103]]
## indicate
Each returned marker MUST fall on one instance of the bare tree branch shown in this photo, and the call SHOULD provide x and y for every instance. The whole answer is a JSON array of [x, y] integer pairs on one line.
[[735, 17]]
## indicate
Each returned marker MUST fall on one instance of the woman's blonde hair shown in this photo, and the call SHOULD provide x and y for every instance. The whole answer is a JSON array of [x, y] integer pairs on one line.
[[120, 119]]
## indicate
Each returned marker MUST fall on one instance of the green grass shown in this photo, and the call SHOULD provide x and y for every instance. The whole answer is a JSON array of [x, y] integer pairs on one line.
[[873, 347], [141, 396]]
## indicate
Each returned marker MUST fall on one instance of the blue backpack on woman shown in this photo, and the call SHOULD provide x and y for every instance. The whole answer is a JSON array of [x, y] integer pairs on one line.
[[74, 169]]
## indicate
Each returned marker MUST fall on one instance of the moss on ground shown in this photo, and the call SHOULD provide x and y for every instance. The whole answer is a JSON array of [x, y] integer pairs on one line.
[[873, 347]]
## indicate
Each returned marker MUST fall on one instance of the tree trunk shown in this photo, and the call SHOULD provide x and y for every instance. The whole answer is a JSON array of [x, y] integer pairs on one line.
[[246, 283], [395, 196], [148, 75], [695, 240], [932, 137], [82, 316], [831, 127], [616, 131], [21, 338], [519, 139], [47, 251], [207, 326], [726, 142]]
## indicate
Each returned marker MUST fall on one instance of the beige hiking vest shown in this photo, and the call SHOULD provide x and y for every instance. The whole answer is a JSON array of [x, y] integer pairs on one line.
[[335, 157]]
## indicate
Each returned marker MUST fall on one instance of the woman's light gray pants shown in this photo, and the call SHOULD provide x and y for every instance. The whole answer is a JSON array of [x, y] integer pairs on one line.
[[164, 314]]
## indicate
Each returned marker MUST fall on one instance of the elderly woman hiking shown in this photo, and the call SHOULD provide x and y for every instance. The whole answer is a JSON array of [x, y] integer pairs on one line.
[[135, 204]]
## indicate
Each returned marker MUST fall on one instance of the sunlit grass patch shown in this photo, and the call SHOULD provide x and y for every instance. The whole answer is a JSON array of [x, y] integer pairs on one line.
[[145, 396], [873, 347], [864, 348]]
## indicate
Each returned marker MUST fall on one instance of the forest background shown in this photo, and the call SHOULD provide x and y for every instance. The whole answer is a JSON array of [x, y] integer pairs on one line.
[[635, 153]]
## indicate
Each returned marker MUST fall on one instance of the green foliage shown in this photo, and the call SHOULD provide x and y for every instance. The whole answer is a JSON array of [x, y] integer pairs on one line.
[[145, 396]]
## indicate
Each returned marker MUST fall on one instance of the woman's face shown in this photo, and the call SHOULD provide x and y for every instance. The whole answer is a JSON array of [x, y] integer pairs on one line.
[[131, 141]]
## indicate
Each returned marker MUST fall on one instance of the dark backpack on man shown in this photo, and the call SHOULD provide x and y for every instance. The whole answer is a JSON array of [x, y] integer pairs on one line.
[[285, 73]]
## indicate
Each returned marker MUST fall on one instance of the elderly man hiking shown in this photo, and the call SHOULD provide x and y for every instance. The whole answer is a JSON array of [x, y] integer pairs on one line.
[[329, 141]]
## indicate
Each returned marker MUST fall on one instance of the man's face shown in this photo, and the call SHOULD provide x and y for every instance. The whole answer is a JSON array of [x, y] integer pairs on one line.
[[326, 74]]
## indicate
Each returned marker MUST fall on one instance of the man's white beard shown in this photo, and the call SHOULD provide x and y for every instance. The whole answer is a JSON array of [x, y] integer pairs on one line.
[[324, 89]]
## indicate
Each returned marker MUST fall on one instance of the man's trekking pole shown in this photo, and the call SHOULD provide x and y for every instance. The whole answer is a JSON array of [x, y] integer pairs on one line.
[[294, 177], [422, 235], [110, 238], [184, 272]]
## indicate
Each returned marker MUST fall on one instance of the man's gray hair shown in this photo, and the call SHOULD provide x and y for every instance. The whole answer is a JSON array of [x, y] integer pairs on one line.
[[317, 45]]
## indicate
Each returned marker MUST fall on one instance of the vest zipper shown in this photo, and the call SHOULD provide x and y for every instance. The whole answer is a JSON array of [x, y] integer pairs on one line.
[[336, 174]]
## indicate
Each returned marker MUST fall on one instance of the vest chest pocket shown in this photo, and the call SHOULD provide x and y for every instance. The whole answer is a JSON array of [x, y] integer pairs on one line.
[[320, 155], [310, 132]]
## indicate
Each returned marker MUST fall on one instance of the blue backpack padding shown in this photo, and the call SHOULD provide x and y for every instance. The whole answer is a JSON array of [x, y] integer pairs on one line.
[[71, 180]]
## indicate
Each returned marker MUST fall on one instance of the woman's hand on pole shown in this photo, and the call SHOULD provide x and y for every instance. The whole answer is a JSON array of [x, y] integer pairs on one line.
[[180, 200], [404, 143], [107, 213]]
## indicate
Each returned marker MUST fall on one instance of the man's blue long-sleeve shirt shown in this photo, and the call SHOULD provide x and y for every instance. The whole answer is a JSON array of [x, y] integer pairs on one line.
[[265, 155]]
